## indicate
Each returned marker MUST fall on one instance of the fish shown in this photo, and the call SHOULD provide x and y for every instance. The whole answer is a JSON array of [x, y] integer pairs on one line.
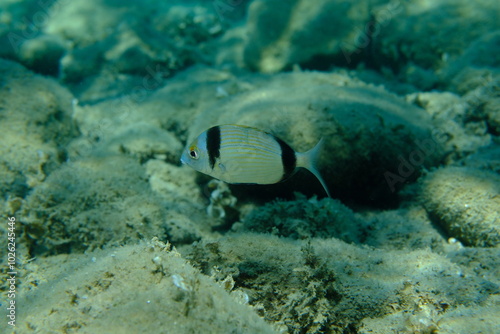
[[240, 154]]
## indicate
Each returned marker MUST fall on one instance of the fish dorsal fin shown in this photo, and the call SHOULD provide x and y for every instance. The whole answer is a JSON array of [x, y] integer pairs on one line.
[[308, 160]]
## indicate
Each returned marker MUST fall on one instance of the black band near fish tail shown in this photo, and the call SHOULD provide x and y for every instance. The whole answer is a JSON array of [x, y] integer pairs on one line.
[[213, 145], [288, 158]]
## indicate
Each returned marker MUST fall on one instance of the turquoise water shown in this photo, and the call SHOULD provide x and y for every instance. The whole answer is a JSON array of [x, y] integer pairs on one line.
[[105, 231]]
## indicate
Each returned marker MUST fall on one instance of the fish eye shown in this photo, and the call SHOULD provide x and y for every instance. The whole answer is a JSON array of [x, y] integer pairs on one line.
[[193, 154]]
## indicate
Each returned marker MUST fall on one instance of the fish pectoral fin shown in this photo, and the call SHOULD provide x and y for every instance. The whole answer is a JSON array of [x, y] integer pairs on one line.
[[222, 167]]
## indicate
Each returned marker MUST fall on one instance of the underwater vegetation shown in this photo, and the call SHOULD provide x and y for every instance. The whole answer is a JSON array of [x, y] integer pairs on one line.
[[100, 100]]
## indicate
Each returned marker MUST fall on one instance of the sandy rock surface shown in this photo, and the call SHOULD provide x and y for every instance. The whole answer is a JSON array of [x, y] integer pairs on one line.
[[465, 201], [99, 98]]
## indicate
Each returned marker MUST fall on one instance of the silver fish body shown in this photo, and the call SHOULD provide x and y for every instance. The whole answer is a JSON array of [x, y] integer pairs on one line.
[[241, 154]]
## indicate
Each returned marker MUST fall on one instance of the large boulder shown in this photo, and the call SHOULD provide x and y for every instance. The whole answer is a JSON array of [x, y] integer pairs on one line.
[[314, 33], [36, 124], [375, 142]]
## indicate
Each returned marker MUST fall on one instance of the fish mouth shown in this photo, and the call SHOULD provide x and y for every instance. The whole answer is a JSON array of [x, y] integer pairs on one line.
[[183, 160]]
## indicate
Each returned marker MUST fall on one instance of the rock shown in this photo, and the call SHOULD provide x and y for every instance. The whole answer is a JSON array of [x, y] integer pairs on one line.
[[462, 319], [487, 158], [484, 105], [476, 67], [107, 200], [302, 219], [85, 204], [145, 142], [374, 141], [465, 202], [82, 63], [452, 119], [429, 35], [43, 54], [36, 125], [103, 290], [403, 229], [318, 32], [476, 75], [117, 47], [314, 283], [186, 205], [402, 36]]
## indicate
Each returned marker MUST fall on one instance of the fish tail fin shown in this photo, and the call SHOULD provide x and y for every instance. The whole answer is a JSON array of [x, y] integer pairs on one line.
[[309, 159]]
